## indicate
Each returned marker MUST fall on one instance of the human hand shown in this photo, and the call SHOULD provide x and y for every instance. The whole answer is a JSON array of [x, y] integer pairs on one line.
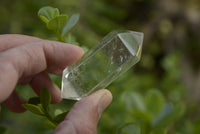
[[25, 60], [84, 116]]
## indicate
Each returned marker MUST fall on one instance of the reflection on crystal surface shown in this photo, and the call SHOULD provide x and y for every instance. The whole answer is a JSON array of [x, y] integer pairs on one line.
[[112, 56]]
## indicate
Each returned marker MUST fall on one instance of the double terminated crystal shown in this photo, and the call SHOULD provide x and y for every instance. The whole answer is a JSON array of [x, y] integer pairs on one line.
[[112, 56]]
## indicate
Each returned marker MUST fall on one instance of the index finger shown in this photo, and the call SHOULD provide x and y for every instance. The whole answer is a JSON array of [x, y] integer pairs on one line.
[[32, 58], [8, 41]]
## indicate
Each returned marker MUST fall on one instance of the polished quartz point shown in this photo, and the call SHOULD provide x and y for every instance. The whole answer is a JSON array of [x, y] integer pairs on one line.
[[112, 56]]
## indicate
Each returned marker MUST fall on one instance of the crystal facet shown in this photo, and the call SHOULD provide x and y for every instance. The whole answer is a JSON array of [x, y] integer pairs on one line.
[[112, 56]]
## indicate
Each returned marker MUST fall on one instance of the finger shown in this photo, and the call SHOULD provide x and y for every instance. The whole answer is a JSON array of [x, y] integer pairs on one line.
[[84, 116], [33, 58], [14, 103], [12, 40], [42, 80]]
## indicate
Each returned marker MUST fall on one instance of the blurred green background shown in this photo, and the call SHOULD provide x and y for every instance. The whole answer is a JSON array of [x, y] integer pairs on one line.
[[161, 93]]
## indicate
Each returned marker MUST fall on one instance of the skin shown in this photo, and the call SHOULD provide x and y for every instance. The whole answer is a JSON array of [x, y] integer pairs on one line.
[[27, 60]]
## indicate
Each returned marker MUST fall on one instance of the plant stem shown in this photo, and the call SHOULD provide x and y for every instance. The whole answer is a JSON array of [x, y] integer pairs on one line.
[[50, 118], [60, 37], [69, 38]]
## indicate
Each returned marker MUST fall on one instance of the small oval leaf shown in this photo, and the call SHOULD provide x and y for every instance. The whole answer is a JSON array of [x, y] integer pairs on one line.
[[50, 125], [71, 23], [48, 13], [59, 118], [44, 19], [45, 98], [57, 23], [34, 109]]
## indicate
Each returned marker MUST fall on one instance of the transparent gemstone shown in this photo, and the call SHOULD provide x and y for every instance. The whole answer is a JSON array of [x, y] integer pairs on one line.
[[113, 55]]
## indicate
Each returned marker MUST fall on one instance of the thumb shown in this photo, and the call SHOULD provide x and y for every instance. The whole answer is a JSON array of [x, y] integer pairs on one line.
[[84, 116]]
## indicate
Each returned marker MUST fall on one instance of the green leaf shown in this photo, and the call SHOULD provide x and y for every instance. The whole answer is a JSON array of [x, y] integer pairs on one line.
[[133, 101], [169, 114], [58, 111], [154, 101], [45, 98], [44, 19], [34, 109], [59, 118], [144, 116], [71, 23], [57, 23], [2, 130], [130, 128], [50, 125], [161, 118], [48, 13], [34, 100]]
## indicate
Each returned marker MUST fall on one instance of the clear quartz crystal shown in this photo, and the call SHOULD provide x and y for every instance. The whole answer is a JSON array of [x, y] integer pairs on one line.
[[112, 56]]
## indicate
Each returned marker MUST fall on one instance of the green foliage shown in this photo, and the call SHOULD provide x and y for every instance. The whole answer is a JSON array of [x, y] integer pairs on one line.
[[130, 128], [45, 98], [50, 125], [154, 101], [169, 114], [152, 111], [70, 24], [133, 100], [60, 117], [57, 22], [43, 109], [36, 109], [48, 13], [168, 64], [62, 26]]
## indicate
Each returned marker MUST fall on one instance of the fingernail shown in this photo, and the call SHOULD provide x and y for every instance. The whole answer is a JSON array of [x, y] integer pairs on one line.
[[104, 101]]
